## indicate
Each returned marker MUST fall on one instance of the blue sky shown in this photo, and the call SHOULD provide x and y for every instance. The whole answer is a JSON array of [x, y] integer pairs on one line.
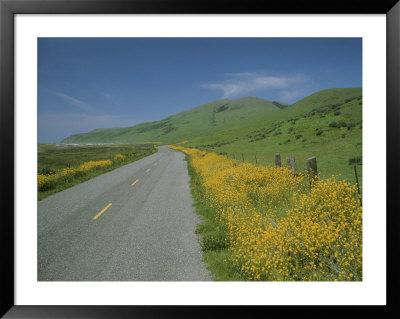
[[84, 84]]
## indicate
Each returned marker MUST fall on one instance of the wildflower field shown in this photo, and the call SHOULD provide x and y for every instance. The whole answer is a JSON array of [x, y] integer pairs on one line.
[[55, 172], [266, 223]]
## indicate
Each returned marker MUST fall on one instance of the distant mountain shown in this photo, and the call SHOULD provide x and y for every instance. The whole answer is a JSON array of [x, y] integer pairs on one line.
[[221, 113]]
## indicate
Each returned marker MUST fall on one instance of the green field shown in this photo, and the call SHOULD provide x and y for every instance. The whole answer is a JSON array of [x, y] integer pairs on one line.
[[52, 159]]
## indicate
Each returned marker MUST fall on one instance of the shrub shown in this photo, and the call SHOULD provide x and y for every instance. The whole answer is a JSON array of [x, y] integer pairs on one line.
[[118, 158], [298, 136], [351, 125], [214, 241], [334, 124], [46, 171], [337, 112], [319, 132], [45, 182]]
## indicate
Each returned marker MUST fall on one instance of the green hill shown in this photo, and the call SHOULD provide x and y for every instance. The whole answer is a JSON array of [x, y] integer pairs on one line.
[[240, 128], [179, 126], [326, 124]]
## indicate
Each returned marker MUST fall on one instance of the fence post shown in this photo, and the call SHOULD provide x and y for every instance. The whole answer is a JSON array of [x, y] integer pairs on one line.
[[256, 159], [358, 185], [278, 160], [292, 163], [312, 168]]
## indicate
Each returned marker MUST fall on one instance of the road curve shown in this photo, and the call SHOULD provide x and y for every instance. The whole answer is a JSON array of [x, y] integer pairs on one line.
[[135, 223]]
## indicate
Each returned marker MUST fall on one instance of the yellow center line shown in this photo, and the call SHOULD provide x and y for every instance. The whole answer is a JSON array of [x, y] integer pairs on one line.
[[134, 182], [102, 211], [147, 170]]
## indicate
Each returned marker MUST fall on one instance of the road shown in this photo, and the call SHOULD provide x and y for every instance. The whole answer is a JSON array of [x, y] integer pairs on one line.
[[135, 223]]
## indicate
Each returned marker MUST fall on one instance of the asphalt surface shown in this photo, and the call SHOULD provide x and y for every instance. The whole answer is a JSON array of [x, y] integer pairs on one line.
[[146, 234]]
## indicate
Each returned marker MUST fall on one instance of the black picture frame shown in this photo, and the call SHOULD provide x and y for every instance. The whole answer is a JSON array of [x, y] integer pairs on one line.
[[8, 8]]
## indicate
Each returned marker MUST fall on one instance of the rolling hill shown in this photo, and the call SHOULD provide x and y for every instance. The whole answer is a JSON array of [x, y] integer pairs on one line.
[[188, 123], [326, 124]]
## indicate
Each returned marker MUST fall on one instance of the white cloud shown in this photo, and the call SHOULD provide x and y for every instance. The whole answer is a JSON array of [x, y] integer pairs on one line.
[[240, 84], [76, 102]]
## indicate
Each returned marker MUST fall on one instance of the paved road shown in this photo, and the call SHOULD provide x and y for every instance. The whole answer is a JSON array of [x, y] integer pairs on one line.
[[146, 234]]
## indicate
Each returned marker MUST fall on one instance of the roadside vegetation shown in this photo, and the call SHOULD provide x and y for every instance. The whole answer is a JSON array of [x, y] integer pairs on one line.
[[60, 167], [267, 223]]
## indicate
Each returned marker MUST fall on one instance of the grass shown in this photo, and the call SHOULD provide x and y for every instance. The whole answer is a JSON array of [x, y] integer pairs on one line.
[[213, 238], [53, 159]]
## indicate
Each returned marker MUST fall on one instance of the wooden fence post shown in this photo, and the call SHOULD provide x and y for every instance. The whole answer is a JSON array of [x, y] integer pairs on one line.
[[278, 160], [255, 156], [358, 185], [292, 163], [312, 168]]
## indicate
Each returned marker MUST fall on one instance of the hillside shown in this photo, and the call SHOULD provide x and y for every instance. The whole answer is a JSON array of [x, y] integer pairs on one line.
[[179, 126], [326, 124]]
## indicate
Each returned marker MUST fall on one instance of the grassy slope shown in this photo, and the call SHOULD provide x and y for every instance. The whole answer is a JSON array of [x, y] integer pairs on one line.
[[244, 126], [333, 148], [181, 125]]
